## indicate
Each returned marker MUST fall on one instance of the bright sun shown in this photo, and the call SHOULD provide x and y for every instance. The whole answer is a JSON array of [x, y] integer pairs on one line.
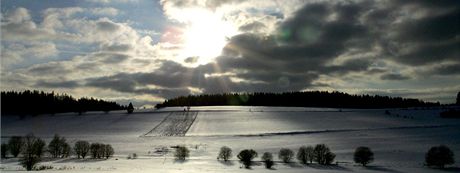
[[205, 35]]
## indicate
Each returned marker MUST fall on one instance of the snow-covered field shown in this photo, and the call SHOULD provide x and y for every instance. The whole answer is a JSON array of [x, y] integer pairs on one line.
[[399, 140]]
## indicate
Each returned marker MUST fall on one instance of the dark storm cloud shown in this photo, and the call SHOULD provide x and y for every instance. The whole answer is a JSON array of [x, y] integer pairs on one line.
[[48, 69], [392, 76], [449, 69], [253, 26], [62, 84]]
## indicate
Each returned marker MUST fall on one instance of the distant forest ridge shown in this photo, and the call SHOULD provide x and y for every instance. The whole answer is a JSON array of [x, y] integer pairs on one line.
[[297, 99], [38, 102]]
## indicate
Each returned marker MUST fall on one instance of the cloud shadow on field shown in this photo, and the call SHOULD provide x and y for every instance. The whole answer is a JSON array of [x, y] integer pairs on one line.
[[327, 167], [381, 169], [227, 163], [180, 161], [451, 169], [75, 160]]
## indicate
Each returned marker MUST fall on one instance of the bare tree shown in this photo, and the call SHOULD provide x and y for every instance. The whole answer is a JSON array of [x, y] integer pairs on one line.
[[15, 144], [81, 148], [31, 151], [225, 153], [108, 151], [323, 155], [4, 150], [267, 158], [285, 155]]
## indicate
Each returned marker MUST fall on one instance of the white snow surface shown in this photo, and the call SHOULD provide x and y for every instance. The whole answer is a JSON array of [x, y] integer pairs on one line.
[[399, 140]]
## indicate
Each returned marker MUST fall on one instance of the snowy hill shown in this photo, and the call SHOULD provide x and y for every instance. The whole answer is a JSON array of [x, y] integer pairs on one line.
[[399, 138]]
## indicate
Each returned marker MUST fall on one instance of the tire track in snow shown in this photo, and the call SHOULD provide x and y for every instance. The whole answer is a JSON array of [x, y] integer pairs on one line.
[[175, 124]]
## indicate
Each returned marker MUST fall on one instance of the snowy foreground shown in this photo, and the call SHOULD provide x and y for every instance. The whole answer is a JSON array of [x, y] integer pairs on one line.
[[399, 140]]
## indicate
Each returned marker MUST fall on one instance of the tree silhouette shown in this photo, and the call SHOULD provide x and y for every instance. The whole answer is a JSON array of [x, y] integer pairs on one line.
[[285, 155], [267, 158], [38, 102], [58, 147], [439, 156], [298, 99], [130, 108], [4, 150], [31, 149], [323, 155], [181, 153], [246, 157], [225, 153], [305, 154], [363, 155], [15, 145], [81, 148]]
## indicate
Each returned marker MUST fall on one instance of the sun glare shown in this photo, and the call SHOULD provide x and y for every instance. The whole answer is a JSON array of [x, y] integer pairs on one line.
[[205, 35]]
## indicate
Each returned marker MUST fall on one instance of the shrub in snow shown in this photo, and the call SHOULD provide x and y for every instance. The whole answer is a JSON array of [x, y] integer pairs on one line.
[[32, 150], [15, 144], [305, 154], [363, 155], [81, 148], [439, 156], [285, 155], [246, 157], [267, 158], [4, 150], [132, 156], [323, 155], [225, 153], [181, 153]]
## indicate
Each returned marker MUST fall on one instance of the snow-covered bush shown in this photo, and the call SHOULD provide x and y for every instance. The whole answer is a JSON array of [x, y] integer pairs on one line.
[[285, 155], [363, 155], [225, 153]]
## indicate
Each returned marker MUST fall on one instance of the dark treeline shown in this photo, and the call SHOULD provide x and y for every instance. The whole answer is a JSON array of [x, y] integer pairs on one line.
[[38, 102], [298, 99]]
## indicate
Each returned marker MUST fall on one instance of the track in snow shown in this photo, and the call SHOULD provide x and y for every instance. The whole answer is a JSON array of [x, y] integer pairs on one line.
[[175, 124]]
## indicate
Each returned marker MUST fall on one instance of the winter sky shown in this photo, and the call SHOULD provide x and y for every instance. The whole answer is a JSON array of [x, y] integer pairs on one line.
[[148, 51]]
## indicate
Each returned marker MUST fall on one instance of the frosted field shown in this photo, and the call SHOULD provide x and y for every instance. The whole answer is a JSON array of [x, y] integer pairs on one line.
[[399, 140]]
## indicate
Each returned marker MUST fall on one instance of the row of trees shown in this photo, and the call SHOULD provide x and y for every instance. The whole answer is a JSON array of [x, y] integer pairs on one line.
[[300, 99], [38, 102], [33, 149], [437, 156], [321, 154]]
